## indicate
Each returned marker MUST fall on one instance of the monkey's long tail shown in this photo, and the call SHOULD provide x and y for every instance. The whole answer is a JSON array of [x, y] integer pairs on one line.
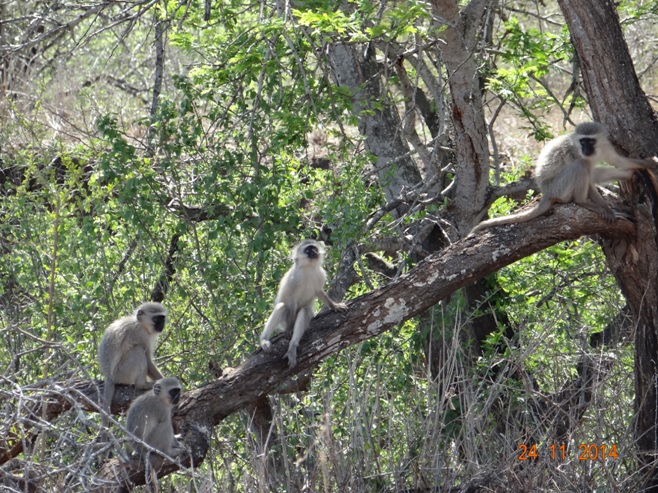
[[521, 217]]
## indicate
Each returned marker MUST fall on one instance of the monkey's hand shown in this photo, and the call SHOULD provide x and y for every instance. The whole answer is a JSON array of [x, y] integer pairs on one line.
[[266, 345], [178, 449]]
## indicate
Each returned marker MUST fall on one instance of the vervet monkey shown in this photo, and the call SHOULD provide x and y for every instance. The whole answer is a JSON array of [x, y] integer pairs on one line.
[[298, 290], [149, 419], [566, 172], [125, 353]]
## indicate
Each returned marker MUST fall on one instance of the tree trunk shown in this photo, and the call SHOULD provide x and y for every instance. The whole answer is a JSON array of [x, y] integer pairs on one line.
[[472, 164], [472, 148], [355, 67], [160, 25], [617, 101]]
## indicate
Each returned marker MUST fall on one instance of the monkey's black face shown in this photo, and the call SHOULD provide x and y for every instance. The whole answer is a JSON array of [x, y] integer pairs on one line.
[[311, 251], [587, 146], [174, 395], [159, 322]]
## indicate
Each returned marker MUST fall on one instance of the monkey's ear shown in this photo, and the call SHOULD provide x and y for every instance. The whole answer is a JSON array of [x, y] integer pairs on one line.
[[140, 313], [156, 388]]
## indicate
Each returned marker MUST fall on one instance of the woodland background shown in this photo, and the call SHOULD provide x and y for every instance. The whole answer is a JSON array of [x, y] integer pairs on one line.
[[176, 150]]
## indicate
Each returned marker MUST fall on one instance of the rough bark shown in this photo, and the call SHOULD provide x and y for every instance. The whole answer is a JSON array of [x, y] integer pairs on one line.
[[431, 280], [617, 101], [159, 74]]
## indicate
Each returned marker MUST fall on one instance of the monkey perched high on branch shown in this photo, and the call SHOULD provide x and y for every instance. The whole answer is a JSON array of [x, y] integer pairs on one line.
[[566, 172], [298, 290]]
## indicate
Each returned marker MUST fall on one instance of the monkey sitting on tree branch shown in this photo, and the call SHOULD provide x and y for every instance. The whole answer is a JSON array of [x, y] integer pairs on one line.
[[298, 290], [149, 419], [125, 353], [566, 172]]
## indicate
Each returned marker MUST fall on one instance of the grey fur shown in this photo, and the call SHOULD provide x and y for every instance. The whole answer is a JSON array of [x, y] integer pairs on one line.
[[125, 354], [564, 173], [149, 419], [298, 290]]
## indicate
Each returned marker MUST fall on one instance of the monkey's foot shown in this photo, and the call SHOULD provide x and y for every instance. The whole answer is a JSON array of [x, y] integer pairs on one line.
[[341, 307], [179, 451], [652, 162], [624, 213], [292, 357], [266, 345], [605, 212]]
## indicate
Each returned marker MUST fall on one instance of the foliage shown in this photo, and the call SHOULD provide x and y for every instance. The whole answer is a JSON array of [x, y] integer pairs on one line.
[[528, 56], [220, 182]]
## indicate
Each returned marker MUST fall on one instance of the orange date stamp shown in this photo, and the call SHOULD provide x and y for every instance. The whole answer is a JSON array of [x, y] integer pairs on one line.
[[591, 451]]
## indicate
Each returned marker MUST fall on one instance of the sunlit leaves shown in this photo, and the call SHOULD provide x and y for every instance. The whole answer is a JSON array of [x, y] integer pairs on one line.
[[368, 22], [327, 21], [525, 58], [402, 20]]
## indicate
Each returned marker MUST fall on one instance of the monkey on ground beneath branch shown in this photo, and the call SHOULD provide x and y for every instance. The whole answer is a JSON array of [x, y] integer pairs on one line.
[[566, 172], [298, 290], [149, 419], [125, 353]]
